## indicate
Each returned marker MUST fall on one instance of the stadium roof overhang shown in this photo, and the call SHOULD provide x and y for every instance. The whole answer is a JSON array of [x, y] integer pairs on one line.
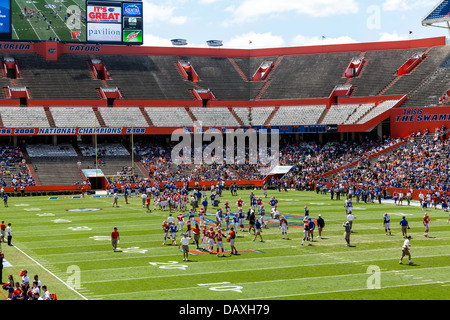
[[51, 50]]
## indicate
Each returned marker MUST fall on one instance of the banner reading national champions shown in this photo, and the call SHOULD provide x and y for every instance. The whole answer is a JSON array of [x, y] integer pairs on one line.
[[86, 21]]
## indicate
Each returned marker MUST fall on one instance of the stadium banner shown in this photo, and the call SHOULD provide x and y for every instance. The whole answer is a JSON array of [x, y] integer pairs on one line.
[[406, 121], [87, 131], [16, 46], [73, 131]]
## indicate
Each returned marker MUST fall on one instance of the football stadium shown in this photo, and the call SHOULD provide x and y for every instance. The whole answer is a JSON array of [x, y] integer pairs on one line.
[[121, 178]]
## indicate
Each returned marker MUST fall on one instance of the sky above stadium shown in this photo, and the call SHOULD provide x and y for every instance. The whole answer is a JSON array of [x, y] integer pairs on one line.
[[285, 23]]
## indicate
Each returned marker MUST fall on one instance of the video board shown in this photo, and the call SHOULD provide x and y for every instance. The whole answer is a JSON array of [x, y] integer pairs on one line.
[[85, 21]]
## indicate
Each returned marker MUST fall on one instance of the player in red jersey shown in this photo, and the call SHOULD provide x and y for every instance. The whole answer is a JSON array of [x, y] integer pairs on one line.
[[184, 201], [196, 230], [204, 238], [201, 216], [180, 219], [148, 203], [165, 228], [426, 223], [284, 227], [219, 241], [188, 228], [239, 204], [211, 239], [227, 206], [259, 204]]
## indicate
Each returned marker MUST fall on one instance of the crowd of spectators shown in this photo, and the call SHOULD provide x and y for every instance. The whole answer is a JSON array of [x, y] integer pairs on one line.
[[14, 171], [421, 163], [308, 161]]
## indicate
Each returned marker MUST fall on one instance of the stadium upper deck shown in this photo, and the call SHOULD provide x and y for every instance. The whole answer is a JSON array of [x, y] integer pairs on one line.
[[353, 87]]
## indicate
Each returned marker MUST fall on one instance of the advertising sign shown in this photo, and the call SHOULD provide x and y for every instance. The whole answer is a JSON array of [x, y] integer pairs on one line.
[[106, 14], [104, 32]]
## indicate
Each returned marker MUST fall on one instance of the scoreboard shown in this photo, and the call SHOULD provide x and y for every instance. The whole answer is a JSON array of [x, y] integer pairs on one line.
[[114, 21], [81, 21]]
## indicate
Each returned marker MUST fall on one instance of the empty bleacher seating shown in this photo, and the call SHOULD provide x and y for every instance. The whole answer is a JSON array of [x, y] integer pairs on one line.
[[380, 70], [360, 111], [297, 115], [54, 152], [338, 114], [67, 78], [169, 117], [307, 76], [123, 117], [23, 117], [406, 84], [256, 116], [214, 117], [379, 109], [104, 150], [65, 117], [146, 77]]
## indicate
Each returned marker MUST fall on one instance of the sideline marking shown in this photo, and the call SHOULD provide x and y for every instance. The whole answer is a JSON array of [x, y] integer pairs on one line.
[[63, 282]]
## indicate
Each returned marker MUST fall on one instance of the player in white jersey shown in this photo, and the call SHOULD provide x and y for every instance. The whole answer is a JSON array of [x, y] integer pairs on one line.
[[144, 199], [405, 250]]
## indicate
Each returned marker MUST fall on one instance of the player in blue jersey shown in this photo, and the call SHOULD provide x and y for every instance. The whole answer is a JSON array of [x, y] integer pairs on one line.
[[349, 206], [387, 223], [258, 230], [173, 231], [5, 199], [192, 216], [306, 211], [273, 202], [312, 226], [241, 219], [236, 222], [405, 226], [262, 213]]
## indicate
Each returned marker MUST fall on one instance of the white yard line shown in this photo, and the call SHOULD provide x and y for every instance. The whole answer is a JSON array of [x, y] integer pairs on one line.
[[51, 273], [338, 291], [288, 280], [253, 269]]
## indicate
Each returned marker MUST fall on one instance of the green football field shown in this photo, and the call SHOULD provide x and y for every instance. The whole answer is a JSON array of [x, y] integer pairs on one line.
[[71, 252], [32, 28]]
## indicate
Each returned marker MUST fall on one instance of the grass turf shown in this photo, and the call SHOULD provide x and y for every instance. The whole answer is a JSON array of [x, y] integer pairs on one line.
[[71, 252], [33, 29]]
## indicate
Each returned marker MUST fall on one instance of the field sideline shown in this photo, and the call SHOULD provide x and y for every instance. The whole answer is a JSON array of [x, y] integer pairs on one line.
[[71, 252]]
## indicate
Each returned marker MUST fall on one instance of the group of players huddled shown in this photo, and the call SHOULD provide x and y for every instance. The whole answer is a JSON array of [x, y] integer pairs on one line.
[[188, 213]]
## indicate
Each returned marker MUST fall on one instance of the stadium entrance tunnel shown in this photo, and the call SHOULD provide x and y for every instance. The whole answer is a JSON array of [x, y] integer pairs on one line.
[[98, 183]]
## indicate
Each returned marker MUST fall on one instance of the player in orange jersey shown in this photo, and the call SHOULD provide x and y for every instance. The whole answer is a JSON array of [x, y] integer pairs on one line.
[[231, 239]]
